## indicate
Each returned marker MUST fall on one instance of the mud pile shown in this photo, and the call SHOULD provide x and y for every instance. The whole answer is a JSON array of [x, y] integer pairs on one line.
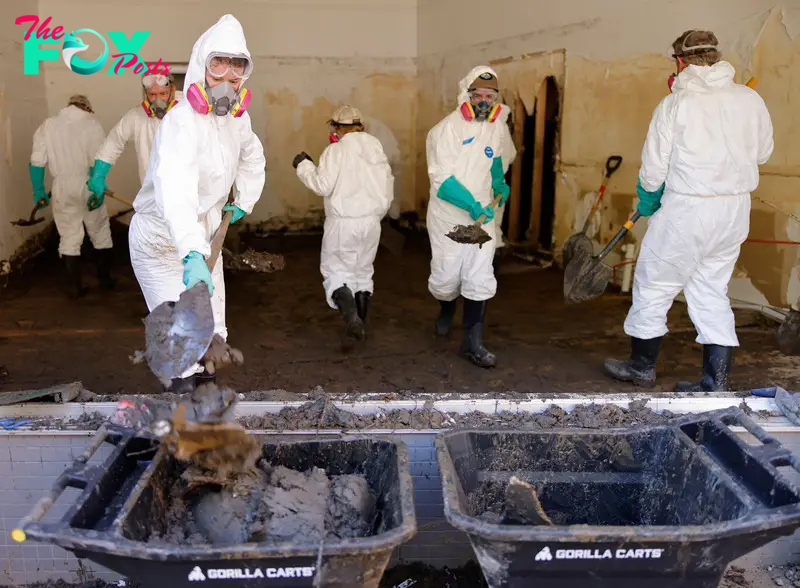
[[322, 414], [271, 505]]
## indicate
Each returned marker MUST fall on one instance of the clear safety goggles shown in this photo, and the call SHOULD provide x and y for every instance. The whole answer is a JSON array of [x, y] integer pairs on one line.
[[220, 65], [484, 95], [151, 80]]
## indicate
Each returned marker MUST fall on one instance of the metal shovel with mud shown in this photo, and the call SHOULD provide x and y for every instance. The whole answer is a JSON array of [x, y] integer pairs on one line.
[[473, 234]]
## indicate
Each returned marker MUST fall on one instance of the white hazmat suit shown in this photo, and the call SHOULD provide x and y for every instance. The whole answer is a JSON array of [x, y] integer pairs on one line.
[[464, 149], [706, 141], [134, 126], [195, 161], [66, 144], [355, 179]]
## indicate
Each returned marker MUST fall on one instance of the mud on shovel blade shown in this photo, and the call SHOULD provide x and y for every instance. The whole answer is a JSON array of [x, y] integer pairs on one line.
[[178, 334], [586, 277], [473, 234]]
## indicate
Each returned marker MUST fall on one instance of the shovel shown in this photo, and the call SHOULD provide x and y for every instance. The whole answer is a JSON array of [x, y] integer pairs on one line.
[[473, 234], [586, 278], [580, 240], [32, 220], [178, 334]]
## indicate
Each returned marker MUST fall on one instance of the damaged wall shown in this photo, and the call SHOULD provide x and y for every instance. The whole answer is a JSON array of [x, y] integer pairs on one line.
[[18, 121], [615, 73], [309, 57]]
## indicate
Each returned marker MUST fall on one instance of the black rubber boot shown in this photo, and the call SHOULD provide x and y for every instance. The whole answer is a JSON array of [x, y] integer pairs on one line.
[[104, 260], [640, 369], [717, 362], [344, 301], [72, 263], [362, 305], [444, 322], [472, 344]]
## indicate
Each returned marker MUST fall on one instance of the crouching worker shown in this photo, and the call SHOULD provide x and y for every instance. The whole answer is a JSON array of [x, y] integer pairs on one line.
[[699, 164], [356, 182], [204, 147], [468, 154]]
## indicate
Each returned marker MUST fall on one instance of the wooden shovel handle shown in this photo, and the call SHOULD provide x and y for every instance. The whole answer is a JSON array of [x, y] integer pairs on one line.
[[494, 203], [219, 237]]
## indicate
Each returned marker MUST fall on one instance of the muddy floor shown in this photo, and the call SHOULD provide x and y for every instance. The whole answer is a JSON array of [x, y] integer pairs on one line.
[[290, 338]]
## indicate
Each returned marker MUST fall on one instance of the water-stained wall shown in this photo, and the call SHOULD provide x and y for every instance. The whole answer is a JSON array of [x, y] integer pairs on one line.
[[309, 58], [23, 105], [613, 74]]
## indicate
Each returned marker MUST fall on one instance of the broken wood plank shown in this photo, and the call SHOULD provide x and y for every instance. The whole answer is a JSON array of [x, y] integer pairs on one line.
[[72, 392], [534, 227], [514, 204]]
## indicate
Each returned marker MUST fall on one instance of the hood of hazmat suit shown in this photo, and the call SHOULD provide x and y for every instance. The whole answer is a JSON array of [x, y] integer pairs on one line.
[[464, 150], [705, 142], [707, 137], [196, 159], [355, 179]]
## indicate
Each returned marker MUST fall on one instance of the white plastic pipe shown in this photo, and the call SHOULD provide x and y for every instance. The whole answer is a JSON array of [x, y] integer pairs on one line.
[[627, 269]]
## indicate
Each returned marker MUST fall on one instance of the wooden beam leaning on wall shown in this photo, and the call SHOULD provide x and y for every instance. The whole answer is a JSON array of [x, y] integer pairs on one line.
[[534, 227], [518, 136]]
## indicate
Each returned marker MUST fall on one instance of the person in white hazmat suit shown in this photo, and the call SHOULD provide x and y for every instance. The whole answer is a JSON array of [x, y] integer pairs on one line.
[[66, 143], [469, 152], [356, 181], [139, 125], [699, 164], [204, 147]]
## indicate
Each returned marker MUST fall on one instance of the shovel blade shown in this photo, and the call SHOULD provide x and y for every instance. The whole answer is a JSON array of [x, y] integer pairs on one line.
[[469, 235], [178, 334], [585, 278], [577, 242], [27, 223]]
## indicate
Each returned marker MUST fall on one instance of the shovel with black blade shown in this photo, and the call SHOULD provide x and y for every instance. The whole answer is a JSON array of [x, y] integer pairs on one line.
[[586, 277], [32, 220]]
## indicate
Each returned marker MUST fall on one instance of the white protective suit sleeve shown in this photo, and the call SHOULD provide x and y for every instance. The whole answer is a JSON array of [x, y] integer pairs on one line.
[[657, 147], [766, 142], [321, 179], [39, 153], [114, 144], [442, 152], [176, 174], [250, 174]]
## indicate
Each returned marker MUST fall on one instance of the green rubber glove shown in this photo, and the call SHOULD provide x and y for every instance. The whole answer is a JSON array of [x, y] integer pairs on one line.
[[499, 185], [195, 270], [37, 181], [238, 213], [455, 193], [97, 183], [649, 202]]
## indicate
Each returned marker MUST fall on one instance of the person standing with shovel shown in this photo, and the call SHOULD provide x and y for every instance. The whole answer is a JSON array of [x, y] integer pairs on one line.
[[699, 164], [468, 154], [201, 150]]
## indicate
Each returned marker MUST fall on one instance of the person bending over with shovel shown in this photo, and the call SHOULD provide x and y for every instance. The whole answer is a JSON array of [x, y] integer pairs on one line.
[[702, 152], [468, 154], [67, 143], [204, 147], [355, 179]]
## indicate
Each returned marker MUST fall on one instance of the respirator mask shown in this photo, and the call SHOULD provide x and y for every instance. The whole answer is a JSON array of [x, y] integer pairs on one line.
[[222, 99], [158, 108], [483, 105]]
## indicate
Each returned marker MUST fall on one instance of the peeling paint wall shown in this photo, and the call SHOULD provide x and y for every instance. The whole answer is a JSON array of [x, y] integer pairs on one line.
[[310, 56], [615, 72], [19, 118]]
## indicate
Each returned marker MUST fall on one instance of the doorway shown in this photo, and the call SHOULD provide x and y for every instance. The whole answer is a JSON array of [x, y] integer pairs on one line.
[[530, 220]]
